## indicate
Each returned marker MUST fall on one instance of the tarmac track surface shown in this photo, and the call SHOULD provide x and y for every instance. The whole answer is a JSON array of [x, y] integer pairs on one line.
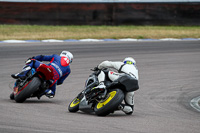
[[169, 78]]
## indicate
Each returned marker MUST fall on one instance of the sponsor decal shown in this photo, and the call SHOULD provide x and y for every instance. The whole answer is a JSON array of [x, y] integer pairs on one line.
[[58, 68], [114, 73]]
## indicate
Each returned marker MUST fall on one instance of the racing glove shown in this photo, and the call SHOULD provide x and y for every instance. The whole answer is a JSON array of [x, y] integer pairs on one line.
[[29, 60]]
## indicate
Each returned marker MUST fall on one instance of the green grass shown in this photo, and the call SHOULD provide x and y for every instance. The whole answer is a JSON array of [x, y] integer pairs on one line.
[[38, 32]]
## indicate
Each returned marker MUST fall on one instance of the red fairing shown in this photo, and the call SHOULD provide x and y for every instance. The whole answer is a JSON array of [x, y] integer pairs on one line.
[[46, 70]]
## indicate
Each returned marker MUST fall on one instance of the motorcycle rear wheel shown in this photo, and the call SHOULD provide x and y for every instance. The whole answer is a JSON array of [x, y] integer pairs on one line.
[[29, 88], [110, 103], [12, 97]]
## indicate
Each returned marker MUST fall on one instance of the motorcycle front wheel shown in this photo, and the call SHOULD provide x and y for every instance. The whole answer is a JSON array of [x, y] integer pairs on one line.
[[109, 103], [74, 105]]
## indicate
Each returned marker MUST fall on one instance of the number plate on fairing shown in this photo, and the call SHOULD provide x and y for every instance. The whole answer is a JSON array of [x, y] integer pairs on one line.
[[16, 90]]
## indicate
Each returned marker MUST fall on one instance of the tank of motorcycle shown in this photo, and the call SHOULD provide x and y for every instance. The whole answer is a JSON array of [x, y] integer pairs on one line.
[[84, 106]]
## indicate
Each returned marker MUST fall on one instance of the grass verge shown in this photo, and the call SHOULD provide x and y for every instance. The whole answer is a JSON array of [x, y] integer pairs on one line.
[[41, 32]]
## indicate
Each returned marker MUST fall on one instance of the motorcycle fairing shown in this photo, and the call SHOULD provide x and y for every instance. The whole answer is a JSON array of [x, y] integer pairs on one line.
[[84, 106]]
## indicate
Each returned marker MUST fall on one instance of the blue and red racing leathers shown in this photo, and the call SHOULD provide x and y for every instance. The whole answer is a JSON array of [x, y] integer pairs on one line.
[[60, 65]]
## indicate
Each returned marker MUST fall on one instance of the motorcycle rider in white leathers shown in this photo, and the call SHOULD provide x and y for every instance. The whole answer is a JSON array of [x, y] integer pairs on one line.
[[128, 66]]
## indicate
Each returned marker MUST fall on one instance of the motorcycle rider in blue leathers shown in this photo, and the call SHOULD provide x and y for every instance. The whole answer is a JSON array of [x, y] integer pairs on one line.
[[59, 64]]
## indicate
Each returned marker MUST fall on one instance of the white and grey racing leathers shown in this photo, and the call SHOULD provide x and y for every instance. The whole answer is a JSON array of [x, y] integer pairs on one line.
[[122, 68]]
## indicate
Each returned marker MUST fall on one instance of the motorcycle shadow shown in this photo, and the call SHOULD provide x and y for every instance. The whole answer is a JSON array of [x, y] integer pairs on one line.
[[36, 101], [115, 114]]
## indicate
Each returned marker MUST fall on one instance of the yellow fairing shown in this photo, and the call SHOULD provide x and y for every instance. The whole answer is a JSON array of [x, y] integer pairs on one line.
[[104, 102], [75, 102]]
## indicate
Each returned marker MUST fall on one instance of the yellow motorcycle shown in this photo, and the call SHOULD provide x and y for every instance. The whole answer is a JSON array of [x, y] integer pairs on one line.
[[102, 102]]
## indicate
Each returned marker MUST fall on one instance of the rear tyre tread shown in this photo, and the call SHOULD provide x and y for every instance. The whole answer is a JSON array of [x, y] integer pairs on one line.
[[111, 105], [28, 91]]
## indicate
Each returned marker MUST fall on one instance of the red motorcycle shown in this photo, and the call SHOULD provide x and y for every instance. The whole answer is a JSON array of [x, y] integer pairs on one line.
[[34, 85]]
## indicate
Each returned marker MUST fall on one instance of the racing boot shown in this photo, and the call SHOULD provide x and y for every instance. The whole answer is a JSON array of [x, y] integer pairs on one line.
[[127, 109], [101, 86], [22, 75], [49, 93]]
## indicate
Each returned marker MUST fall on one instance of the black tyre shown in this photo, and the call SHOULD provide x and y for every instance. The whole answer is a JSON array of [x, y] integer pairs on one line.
[[27, 90], [12, 96], [110, 103], [74, 105]]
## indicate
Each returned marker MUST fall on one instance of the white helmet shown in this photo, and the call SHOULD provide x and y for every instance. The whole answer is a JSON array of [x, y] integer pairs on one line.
[[67, 54], [129, 60]]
